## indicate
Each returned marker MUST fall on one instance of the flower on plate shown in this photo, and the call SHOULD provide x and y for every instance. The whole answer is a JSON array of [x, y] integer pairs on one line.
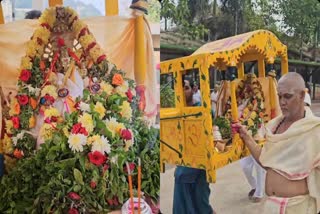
[[46, 131], [97, 158], [99, 108], [122, 89], [102, 145], [9, 126], [79, 129], [87, 122], [76, 142], [51, 112]]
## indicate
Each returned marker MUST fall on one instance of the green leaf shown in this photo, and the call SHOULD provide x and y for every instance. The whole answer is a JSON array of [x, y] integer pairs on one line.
[[203, 77], [205, 104], [78, 176], [77, 188]]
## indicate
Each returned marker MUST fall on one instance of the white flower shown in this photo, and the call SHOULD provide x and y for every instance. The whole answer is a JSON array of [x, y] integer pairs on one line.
[[84, 107], [102, 145], [18, 137], [122, 89], [76, 142], [32, 90], [114, 159]]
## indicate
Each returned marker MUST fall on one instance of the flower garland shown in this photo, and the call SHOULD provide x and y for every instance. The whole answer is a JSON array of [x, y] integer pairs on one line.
[[93, 140], [250, 100]]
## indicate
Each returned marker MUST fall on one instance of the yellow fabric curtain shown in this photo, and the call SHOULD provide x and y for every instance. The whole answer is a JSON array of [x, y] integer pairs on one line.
[[115, 35], [111, 7], [53, 3], [1, 15]]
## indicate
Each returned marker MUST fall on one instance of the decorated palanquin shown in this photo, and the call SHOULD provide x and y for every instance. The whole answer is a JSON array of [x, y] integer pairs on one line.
[[75, 138], [191, 135]]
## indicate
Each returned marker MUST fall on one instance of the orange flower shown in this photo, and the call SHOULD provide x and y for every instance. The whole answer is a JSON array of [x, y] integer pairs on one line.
[[33, 103], [117, 79], [16, 108], [42, 65], [32, 122], [18, 154], [261, 114]]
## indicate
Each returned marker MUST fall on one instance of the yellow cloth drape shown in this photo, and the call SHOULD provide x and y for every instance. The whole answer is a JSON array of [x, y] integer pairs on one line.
[[111, 7], [1, 15], [114, 34], [53, 3]]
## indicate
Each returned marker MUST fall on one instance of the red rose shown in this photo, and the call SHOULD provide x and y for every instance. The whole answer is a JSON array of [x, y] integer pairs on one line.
[[126, 134], [16, 122], [25, 75], [129, 95], [61, 42], [101, 58], [131, 166], [73, 211], [74, 196], [23, 99], [93, 184], [97, 158], [78, 129]]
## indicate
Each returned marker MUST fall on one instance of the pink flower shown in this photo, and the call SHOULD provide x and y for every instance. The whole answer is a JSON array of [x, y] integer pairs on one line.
[[74, 196], [73, 211], [16, 122], [93, 184], [129, 95], [78, 129], [23, 99], [132, 166], [97, 158], [25, 75], [126, 134], [61, 42]]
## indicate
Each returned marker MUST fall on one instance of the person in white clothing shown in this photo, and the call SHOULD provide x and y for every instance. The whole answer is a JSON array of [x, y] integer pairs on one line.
[[196, 95], [214, 99], [256, 182]]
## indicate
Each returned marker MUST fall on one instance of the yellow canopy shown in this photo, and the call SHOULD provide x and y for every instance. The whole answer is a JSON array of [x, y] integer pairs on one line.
[[256, 42]]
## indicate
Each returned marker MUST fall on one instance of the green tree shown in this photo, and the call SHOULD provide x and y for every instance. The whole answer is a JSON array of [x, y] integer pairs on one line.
[[301, 19], [154, 11], [167, 11]]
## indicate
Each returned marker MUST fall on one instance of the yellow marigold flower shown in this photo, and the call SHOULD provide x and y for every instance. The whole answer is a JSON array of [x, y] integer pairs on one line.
[[50, 90], [31, 48], [14, 107], [113, 126], [32, 122], [26, 63], [86, 40], [126, 110], [65, 131], [250, 122], [93, 139], [87, 122], [7, 145], [100, 109], [46, 131], [253, 115], [48, 16], [51, 112], [42, 33], [106, 87], [9, 126], [95, 52], [77, 26]]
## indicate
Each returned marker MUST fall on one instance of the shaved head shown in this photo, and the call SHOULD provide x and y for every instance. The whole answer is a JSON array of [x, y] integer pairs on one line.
[[293, 81], [291, 92]]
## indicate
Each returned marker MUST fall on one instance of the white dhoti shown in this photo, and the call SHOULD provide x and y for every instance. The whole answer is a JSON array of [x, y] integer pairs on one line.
[[302, 204]]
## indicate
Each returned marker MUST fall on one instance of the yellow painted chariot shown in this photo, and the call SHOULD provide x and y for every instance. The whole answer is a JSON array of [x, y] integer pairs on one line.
[[187, 131]]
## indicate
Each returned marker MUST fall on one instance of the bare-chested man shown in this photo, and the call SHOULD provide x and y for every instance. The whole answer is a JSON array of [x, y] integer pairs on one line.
[[291, 155]]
